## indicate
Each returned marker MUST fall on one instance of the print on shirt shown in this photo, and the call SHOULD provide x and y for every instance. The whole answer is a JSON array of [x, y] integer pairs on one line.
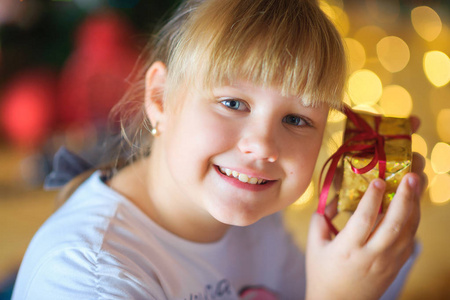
[[256, 293], [223, 289]]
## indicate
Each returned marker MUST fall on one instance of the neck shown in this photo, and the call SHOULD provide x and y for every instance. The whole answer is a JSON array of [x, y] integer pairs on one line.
[[143, 184]]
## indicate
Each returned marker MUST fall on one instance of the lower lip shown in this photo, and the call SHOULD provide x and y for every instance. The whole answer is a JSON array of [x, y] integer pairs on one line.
[[246, 186]]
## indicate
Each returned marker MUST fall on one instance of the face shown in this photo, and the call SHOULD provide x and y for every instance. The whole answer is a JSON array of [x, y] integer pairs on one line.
[[239, 155]]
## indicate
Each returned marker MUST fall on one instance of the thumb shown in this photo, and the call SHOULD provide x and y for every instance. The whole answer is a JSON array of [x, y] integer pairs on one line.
[[319, 232]]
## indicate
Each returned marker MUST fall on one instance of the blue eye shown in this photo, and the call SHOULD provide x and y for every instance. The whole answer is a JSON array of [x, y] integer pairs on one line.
[[296, 121], [234, 104]]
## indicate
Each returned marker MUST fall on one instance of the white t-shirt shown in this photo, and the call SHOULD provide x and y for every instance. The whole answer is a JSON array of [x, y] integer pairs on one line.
[[99, 245]]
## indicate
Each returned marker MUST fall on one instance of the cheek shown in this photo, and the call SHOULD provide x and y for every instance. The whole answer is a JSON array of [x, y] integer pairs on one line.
[[301, 165], [194, 138], [210, 135]]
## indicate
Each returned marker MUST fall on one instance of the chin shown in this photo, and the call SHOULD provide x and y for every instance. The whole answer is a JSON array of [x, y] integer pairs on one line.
[[239, 217]]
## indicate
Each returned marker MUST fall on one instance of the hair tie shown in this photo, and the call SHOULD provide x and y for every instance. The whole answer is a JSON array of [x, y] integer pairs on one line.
[[66, 166]]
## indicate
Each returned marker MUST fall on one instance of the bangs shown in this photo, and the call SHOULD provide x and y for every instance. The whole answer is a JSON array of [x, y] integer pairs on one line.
[[288, 44]]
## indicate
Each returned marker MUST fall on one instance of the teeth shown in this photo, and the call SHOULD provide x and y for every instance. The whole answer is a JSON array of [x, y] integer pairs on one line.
[[253, 180], [242, 177]]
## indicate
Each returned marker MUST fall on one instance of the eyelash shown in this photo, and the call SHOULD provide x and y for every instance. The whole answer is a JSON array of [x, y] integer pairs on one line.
[[307, 122], [227, 102]]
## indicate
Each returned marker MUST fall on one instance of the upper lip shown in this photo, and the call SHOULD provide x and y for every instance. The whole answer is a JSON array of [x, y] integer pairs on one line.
[[249, 173]]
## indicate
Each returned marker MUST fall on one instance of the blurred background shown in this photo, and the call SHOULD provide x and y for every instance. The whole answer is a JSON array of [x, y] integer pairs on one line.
[[65, 63]]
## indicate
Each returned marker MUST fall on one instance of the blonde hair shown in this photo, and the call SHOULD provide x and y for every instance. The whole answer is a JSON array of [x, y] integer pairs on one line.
[[290, 44]]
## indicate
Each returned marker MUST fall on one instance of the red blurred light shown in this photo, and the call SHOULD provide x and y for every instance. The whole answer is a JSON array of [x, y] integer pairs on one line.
[[27, 108]]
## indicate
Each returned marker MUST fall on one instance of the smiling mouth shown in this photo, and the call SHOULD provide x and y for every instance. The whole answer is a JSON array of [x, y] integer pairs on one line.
[[242, 177]]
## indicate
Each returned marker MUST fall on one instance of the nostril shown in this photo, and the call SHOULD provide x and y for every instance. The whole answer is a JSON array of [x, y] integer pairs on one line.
[[260, 147]]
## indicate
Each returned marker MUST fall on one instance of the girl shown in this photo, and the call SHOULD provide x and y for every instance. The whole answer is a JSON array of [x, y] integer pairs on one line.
[[237, 94]]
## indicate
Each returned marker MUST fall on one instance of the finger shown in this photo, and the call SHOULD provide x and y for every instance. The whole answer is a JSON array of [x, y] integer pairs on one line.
[[418, 163], [361, 223], [423, 184], [418, 166], [407, 235], [415, 123], [319, 232], [398, 215], [414, 220]]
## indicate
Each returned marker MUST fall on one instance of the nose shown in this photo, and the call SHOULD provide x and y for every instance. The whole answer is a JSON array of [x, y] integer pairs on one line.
[[260, 142]]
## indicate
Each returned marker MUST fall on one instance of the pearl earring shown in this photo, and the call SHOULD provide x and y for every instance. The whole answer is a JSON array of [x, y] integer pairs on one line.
[[154, 130]]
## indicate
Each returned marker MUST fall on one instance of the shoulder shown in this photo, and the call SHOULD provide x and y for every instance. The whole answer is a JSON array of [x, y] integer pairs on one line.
[[91, 242], [83, 220], [81, 273]]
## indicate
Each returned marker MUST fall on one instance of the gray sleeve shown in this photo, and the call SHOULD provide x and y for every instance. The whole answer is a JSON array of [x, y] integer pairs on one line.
[[394, 291], [83, 274]]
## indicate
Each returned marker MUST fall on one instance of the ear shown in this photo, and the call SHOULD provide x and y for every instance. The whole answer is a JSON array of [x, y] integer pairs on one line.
[[155, 83]]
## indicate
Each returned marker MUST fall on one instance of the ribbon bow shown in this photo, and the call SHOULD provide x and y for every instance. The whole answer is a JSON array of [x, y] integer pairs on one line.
[[66, 166], [374, 146]]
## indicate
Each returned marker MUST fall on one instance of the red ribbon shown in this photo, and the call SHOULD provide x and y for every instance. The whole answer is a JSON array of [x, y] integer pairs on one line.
[[364, 132]]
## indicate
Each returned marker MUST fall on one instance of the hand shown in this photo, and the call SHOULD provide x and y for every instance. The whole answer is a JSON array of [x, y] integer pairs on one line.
[[365, 257]]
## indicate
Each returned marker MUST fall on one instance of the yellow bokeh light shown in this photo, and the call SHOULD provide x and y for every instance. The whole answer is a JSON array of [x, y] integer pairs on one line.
[[441, 42], [364, 87], [347, 99], [338, 3], [342, 23], [335, 141], [306, 197], [426, 22], [440, 158], [419, 145], [437, 67], [326, 8], [373, 109], [373, 64], [337, 137], [335, 116], [428, 170], [396, 101], [443, 124], [369, 36], [393, 53], [337, 15], [439, 189], [356, 54]]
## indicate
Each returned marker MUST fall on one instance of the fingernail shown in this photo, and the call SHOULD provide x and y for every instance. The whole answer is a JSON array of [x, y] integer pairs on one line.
[[379, 184], [412, 182]]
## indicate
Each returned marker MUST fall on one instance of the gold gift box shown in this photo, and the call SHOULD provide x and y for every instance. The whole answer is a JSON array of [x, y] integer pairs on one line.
[[398, 161]]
